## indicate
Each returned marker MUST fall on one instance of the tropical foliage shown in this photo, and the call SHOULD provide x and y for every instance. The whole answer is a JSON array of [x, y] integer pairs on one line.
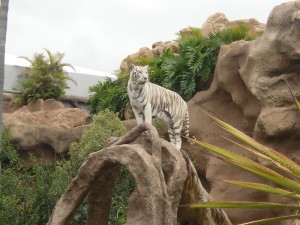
[[30, 190], [186, 72], [110, 95], [44, 79], [285, 174]]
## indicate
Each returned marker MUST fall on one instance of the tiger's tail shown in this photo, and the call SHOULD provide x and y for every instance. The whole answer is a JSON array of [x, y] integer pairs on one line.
[[186, 125]]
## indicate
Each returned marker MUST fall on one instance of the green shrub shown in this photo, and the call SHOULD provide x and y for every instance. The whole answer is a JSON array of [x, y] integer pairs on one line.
[[110, 95], [185, 73], [44, 79], [192, 69], [105, 125], [23, 189], [29, 193]]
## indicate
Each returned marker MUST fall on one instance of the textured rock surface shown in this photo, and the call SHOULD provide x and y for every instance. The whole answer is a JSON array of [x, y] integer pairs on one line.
[[45, 128], [164, 177], [250, 92], [219, 21], [157, 49], [8, 105]]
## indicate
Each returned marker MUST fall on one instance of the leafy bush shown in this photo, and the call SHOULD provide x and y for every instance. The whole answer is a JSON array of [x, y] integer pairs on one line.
[[185, 73], [29, 193], [45, 78], [110, 95], [191, 69], [22, 189]]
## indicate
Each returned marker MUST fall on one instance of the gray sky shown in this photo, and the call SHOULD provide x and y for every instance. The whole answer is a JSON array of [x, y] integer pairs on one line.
[[99, 34]]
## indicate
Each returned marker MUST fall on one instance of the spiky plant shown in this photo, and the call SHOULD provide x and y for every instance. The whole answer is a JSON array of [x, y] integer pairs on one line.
[[288, 179], [44, 79]]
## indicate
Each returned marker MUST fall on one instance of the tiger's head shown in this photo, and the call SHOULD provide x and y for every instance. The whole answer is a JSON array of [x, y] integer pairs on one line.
[[138, 74]]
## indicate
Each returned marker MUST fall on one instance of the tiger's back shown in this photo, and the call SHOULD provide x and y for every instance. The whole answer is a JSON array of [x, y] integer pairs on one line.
[[169, 106]]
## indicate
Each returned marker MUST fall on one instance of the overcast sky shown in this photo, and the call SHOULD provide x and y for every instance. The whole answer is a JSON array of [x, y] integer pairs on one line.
[[99, 34]]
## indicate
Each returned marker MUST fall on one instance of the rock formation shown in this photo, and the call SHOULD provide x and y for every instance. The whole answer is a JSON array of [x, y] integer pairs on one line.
[[161, 174], [45, 128], [250, 92], [219, 21], [157, 49], [8, 104]]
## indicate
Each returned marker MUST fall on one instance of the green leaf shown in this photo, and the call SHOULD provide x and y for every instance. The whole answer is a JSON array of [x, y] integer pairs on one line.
[[272, 220], [274, 155], [265, 188], [251, 166], [223, 152], [268, 174], [244, 205], [297, 103], [262, 156]]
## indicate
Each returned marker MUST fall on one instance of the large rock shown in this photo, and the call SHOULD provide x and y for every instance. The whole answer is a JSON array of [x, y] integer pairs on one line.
[[250, 92], [9, 105], [219, 21], [164, 177], [45, 128], [147, 53]]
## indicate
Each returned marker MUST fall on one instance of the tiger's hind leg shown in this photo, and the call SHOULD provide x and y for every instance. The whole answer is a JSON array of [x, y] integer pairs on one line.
[[167, 118], [171, 135], [177, 127]]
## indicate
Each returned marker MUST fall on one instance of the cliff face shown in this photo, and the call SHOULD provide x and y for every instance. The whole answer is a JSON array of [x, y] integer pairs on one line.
[[250, 91]]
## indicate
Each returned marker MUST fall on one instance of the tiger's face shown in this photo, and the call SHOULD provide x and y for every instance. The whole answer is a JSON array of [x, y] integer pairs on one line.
[[139, 74]]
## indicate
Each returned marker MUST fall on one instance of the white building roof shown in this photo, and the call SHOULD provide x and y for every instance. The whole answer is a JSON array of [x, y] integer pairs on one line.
[[84, 77], [13, 60]]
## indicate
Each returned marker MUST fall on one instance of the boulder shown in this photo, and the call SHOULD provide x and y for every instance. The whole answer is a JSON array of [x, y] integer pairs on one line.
[[250, 91], [9, 105], [157, 49], [164, 177], [219, 21], [147, 53], [45, 128]]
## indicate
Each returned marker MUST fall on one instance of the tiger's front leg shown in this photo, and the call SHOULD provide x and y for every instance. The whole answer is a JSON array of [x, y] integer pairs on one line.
[[139, 115], [148, 113], [147, 117]]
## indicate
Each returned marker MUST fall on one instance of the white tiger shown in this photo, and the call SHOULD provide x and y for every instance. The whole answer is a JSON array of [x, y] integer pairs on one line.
[[149, 100]]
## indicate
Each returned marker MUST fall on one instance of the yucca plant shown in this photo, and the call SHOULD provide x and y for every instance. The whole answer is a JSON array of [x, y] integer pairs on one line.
[[288, 179], [297, 103], [44, 79]]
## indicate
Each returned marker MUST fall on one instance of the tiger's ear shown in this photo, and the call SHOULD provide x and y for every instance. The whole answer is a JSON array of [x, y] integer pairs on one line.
[[131, 66], [146, 67]]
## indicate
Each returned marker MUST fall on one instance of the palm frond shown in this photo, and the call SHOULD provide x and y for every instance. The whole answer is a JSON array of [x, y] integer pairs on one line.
[[265, 188], [297, 103], [274, 155], [244, 205], [272, 220]]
